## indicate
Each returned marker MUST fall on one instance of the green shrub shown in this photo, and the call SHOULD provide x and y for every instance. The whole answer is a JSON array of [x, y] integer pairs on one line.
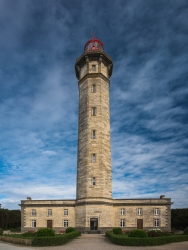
[[1, 231], [138, 233], [56, 240], [153, 241], [29, 234], [69, 230], [158, 233], [117, 230], [42, 232], [185, 230]]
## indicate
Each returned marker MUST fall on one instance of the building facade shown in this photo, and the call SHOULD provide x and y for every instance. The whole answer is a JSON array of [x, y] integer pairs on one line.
[[94, 209]]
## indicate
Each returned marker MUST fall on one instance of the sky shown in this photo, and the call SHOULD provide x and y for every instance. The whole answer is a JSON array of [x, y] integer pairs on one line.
[[39, 43]]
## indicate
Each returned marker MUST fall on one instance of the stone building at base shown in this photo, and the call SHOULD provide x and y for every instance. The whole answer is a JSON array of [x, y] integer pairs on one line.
[[126, 213], [94, 209]]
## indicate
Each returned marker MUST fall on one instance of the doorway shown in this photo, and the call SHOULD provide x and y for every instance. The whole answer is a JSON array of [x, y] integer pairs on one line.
[[94, 224], [139, 223], [49, 223]]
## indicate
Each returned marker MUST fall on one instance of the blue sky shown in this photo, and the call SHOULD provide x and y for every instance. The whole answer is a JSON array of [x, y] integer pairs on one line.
[[40, 41]]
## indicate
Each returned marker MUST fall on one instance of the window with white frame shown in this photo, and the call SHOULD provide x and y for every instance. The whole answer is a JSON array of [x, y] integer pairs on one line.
[[93, 134], [65, 223], [93, 67], [33, 223], [122, 211], [156, 211], [93, 157], [139, 211], [49, 213], [93, 111], [33, 212], [122, 223], [156, 222], [93, 88], [66, 212], [93, 181]]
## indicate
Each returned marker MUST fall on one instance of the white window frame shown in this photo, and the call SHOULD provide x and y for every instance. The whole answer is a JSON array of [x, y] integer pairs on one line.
[[33, 223], [93, 134], [93, 111], [49, 212], [156, 222], [122, 222], [140, 212], [93, 88], [33, 212], [93, 157], [66, 223], [93, 68], [93, 181], [122, 211], [66, 212], [156, 211]]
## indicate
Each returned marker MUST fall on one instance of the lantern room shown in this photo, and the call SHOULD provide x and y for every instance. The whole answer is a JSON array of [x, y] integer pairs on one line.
[[94, 45]]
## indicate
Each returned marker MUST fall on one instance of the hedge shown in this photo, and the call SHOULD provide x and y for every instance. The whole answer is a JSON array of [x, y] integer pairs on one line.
[[69, 230], [154, 241], [44, 232], [54, 240], [138, 233], [117, 230]]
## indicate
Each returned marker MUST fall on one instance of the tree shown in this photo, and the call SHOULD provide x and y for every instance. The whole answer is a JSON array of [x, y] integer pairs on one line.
[[10, 218], [179, 218]]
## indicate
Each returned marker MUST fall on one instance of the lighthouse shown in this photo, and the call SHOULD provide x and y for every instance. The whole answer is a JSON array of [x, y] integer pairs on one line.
[[94, 180], [94, 210]]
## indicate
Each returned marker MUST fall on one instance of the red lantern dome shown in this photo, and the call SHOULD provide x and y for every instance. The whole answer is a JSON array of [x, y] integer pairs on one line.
[[94, 45]]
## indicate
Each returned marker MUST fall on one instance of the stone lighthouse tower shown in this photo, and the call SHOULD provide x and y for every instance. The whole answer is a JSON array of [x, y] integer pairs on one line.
[[94, 183], [94, 210]]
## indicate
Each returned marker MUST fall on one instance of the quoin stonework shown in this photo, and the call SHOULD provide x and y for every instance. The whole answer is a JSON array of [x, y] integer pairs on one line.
[[94, 209]]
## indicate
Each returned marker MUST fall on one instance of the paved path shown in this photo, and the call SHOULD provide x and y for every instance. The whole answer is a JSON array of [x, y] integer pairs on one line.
[[94, 242]]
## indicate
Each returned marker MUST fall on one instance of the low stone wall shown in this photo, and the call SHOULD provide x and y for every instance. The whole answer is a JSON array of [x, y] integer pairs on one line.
[[19, 241]]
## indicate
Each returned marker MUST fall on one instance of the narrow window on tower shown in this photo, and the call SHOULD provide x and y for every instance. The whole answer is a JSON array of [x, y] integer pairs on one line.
[[93, 181], [139, 211], [93, 67], [93, 157], [93, 88], [93, 111], [93, 134]]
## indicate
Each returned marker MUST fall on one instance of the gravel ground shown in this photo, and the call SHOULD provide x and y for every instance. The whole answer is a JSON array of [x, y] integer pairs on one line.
[[95, 242]]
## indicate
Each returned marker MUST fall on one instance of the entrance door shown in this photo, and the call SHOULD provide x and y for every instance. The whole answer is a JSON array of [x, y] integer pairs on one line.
[[139, 224], [94, 223], [49, 223]]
